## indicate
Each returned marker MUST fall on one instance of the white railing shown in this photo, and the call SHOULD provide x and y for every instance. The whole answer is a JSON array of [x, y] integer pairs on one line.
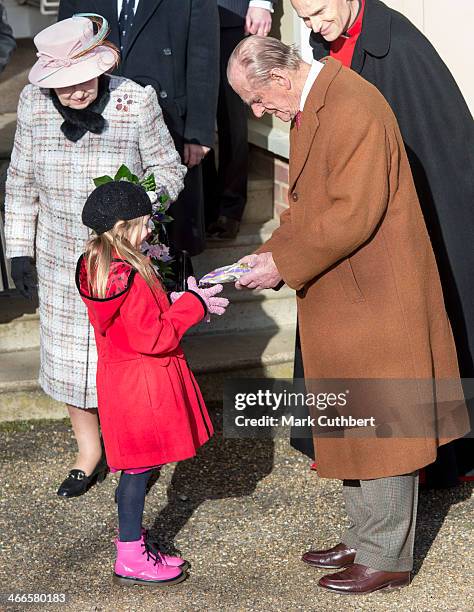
[[49, 7], [46, 7]]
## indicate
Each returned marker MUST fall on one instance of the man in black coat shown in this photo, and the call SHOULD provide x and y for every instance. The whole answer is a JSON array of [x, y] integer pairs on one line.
[[173, 46], [226, 190], [438, 131], [7, 40]]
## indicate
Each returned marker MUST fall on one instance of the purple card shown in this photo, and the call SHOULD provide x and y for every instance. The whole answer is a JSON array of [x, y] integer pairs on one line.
[[226, 274]]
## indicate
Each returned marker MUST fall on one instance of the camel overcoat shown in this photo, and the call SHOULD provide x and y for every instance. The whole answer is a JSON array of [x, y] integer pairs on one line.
[[354, 246]]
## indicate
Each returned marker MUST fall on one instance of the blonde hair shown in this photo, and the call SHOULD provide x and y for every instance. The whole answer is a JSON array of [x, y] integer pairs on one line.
[[115, 243], [259, 55]]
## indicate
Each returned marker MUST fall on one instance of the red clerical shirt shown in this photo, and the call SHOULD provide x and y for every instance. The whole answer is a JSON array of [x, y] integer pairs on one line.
[[343, 47]]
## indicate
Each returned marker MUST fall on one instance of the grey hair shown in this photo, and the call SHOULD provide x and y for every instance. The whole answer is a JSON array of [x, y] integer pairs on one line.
[[259, 55]]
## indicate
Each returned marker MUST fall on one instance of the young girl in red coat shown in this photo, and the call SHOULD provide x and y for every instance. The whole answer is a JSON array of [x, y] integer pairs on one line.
[[150, 406]]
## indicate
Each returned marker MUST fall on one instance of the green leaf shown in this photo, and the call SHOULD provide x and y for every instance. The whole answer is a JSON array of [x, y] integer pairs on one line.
[[166, 219], [102, 180], [125, 173], [149, 183]]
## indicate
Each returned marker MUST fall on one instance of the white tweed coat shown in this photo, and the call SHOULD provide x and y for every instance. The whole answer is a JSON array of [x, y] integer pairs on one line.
[[48, 181]]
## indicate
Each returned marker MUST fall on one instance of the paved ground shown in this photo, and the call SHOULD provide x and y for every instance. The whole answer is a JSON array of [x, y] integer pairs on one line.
[[242, 512]]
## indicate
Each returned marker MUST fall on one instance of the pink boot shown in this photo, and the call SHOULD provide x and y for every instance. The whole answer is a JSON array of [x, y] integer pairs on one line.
[[169, 560], [152, 547], [137, 565]]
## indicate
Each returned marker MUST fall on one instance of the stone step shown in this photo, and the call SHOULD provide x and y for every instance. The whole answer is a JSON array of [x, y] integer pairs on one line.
[[259, 205], [215, 258], [221, 253], [250, 310], [250, 234], [264, 353], [18, 323], [20, 333]]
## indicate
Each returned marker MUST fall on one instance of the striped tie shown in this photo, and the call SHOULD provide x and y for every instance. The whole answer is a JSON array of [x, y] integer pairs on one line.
[[125, 21], [298, 120]]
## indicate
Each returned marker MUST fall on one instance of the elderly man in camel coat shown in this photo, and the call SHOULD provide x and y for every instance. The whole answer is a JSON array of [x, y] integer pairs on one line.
[[354, 246]]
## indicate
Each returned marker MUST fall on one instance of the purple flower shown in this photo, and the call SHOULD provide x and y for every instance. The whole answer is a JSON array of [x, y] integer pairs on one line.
[[157, 251]]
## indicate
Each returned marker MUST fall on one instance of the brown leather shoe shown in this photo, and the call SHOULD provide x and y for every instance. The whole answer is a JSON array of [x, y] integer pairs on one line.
[[358, 579], [337, 557]]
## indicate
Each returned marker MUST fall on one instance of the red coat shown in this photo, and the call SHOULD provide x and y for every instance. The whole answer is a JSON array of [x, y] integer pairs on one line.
[[150, 406]]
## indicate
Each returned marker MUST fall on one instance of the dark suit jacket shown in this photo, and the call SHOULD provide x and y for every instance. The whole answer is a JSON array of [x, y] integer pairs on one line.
[[173, 46], [233, 12], [7, 41]]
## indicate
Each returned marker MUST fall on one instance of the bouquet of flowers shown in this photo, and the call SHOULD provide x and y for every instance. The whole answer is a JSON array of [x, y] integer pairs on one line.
[[155, 247]]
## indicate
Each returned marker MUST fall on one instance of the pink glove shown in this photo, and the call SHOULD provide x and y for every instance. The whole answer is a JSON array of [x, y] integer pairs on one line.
[[175, 295], [215, 305]]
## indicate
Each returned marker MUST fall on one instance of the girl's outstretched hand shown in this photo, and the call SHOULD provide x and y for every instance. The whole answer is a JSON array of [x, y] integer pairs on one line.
[[175, 295], [215, 305]]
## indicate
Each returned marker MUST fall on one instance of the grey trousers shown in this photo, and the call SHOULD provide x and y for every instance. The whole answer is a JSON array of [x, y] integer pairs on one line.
[[383, 518]]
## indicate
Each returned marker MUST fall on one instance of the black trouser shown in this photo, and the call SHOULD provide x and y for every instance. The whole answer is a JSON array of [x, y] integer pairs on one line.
[[187, 232], [225, 190]]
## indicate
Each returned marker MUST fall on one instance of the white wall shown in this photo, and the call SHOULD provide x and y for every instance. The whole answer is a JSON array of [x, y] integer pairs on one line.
[[433, 18], [26, 21], [448, 26]]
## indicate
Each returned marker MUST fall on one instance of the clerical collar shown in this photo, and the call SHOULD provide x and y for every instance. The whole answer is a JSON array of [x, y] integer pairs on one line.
[[315, 69], [356, 27]]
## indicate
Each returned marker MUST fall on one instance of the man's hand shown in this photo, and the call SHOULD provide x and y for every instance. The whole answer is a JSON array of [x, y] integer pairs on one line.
[[194, 154], [258, 21], [264, 274]]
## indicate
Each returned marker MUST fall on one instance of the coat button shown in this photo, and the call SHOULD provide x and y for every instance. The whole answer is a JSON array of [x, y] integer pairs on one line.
[[163, 94], [166, 51], [294, 196]]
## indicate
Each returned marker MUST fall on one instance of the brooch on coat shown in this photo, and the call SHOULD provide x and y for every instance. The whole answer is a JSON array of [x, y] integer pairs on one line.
[[123, 103]]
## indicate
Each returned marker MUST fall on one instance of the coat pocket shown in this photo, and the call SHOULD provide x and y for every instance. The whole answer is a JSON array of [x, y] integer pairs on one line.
[[349, 282], [129, 408], [181, 104]]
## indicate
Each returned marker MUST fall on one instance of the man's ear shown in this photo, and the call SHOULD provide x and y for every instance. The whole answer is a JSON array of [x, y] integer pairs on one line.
[[280, 78]]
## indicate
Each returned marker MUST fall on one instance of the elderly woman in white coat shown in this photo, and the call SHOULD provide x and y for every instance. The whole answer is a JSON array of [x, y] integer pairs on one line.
[[75, 123]]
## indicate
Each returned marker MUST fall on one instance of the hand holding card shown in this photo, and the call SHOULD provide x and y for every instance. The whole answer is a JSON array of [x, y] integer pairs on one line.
[[225, 274]]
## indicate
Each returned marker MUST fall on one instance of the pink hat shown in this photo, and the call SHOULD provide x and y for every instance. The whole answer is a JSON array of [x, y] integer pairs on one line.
[[70, 53]]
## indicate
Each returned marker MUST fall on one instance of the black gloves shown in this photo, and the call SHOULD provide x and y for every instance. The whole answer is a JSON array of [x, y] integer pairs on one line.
[[24, 276]]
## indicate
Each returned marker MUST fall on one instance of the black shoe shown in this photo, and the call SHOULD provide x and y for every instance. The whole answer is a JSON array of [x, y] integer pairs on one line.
[[223, 229], [77, 483]]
